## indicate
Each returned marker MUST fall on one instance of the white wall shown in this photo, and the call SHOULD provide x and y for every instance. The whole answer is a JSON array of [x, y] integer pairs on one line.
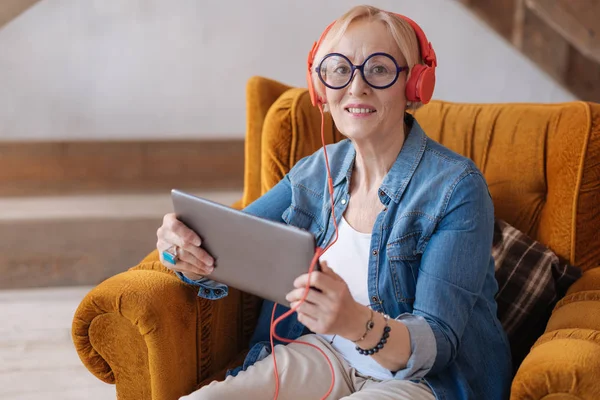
[[177, 68]]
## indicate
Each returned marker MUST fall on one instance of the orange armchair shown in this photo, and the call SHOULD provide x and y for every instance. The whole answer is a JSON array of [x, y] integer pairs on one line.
[[151, 335]]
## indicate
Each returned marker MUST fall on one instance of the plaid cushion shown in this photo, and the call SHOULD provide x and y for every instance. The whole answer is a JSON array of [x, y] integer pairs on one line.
[[531, 279]]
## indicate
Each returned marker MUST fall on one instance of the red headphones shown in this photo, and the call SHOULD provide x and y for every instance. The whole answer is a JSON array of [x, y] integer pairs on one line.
[[419, 87]]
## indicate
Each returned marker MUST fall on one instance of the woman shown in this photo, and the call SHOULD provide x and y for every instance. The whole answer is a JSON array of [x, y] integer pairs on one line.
[[405, 302]]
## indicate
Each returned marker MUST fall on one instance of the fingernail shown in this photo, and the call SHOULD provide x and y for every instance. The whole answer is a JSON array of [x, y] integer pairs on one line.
[[197, 242], [210, 262]]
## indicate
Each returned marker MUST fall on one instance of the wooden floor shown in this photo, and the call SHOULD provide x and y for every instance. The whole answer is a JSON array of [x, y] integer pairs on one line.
[[37, 356]]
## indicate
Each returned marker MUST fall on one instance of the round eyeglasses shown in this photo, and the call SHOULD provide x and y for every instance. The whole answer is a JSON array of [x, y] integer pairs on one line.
[[380, 70]]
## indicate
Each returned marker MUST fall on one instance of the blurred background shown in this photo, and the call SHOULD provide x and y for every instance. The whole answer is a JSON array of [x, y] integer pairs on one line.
[[105, 105]]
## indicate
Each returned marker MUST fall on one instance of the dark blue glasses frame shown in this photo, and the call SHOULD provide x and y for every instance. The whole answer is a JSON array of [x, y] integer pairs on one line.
[[361, 68]]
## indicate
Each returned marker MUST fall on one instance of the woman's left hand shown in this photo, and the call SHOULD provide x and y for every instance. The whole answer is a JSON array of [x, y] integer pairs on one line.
[[333, 310]]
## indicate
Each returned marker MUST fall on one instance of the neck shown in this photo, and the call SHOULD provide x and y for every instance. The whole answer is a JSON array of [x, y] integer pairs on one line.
[[374, 159]]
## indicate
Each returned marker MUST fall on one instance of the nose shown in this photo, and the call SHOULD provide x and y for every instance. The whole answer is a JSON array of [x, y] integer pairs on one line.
[[357, 85]]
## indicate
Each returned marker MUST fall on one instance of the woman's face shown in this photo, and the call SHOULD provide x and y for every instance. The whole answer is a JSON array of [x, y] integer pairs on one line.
[[385, 107]]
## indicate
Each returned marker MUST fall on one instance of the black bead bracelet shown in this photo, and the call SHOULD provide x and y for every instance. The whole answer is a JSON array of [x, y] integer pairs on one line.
[[380, 344]]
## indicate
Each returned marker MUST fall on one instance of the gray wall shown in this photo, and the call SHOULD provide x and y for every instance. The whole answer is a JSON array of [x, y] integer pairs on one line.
[[100, 69]]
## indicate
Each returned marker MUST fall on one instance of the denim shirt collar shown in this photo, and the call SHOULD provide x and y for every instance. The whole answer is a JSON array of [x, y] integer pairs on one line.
[[402, 170]]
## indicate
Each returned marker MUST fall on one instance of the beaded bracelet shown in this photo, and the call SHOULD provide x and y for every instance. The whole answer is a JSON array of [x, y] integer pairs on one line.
[[380, 344]]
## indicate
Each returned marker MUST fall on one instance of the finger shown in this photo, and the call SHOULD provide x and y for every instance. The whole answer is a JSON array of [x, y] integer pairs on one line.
[[318, 280], [202, 267], [192, 276], [198, 266], [307, 321], [310, 310], [313, 296], [195, 255], [167, 236], [199, 254], [164, 245], [178, 233], [184, 268], [171, 236], [185, 233]]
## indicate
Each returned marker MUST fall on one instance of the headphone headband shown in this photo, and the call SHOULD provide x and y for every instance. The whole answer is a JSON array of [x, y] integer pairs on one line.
[[427, 52]]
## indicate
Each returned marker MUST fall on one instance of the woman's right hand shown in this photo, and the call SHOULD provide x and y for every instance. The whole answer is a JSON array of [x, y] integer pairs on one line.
[[193, 261]]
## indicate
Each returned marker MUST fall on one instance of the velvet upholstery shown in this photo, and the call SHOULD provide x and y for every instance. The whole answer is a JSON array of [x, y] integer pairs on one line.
[[150, 334]]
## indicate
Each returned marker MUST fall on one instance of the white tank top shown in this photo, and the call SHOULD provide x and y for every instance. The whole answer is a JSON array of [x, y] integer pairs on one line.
[[349, 258]]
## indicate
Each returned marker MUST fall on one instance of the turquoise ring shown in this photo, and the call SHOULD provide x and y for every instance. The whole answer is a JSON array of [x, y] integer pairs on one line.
[[171, 255]]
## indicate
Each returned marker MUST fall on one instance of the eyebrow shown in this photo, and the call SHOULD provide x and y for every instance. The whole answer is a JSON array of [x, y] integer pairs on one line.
[[398, 59]]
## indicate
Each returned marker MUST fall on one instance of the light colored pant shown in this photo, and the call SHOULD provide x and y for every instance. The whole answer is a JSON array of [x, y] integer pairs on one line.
[[304, 374]]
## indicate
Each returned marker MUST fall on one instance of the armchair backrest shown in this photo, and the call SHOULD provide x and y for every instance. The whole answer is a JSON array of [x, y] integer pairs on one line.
[[261, 93], [541, 161]]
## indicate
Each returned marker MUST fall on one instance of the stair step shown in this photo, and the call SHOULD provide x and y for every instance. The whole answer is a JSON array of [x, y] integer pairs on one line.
[[70, 167], [93, 206], [80, 240]]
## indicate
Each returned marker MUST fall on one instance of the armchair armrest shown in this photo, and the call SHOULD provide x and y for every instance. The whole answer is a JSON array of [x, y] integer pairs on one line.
[[150, 334], [565, 361]]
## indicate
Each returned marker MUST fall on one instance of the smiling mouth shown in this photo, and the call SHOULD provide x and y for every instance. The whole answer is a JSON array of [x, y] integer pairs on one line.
[[353, 110]]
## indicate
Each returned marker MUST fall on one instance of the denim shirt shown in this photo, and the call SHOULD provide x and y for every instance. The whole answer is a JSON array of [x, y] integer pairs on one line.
[[430, 265]]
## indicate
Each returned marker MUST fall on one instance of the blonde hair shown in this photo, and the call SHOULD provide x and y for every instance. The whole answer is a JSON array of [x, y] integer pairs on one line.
[[401, 31]]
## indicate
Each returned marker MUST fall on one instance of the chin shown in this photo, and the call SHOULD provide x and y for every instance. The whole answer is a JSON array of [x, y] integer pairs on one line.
[[356, 133]]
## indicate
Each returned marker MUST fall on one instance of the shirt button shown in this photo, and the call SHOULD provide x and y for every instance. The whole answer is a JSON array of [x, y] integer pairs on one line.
[[375, 299], [381, 193], [218, 292], [343, 201], [374, 252], [206, 291]]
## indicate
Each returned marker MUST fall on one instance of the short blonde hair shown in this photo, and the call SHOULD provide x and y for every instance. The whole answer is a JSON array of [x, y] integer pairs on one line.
[[402, 32]]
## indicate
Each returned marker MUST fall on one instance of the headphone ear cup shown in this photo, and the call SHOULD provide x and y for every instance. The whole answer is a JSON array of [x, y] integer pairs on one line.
[[314, 97], [425, 84], [309, 62], [419, 87], [311, 89], [411, 84]]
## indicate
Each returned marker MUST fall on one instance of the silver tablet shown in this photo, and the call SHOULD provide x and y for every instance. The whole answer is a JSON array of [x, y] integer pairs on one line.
[[252, 254]]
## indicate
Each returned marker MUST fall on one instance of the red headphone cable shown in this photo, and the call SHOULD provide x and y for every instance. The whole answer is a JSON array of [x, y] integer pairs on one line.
[[319, 251]]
